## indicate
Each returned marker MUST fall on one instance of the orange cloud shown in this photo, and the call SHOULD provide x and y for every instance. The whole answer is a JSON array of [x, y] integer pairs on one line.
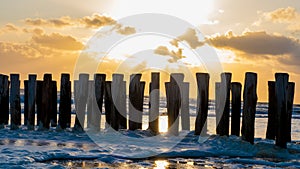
[[96, 21], [190, 36], [164, 51], [282, 15], [126, 30], [56, 22]]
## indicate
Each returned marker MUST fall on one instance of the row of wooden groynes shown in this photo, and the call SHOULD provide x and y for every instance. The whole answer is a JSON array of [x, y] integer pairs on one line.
[[88, 93]]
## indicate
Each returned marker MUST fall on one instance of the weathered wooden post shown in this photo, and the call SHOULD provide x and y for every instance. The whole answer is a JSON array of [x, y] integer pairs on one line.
[[281, 86], [81, 94], [119, 99], [4, 100], [31, 101], [222, 115], [65, 101], [236, 89], [93, 112], [99, 92], [290, 102], [272, 125], [39, 106], [15, 106], [185, 107], [249, 107], [53, 118], [202, 103], [173, 101], [46, 102], [110, 117], [154, 103], [136, 100], [219, 95], [25, 112]]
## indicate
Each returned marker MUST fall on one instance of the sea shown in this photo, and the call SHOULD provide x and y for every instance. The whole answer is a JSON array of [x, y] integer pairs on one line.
[[107, 148]]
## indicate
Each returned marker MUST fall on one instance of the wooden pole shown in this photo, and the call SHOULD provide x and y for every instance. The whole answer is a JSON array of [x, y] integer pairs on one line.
[[218, 105], [154, 103], [185, 107], [236, 89], [39, 106], [4, 100], [272, 125], [290, 101], [46, 102], [53, 119], [110, 117], [25, 113], [119, 99], [136, 98], [202, 103], [173, 102], [65, 101], [31, 101], [249, 107], [81, 94], [99, 93], [15, 105], [90, 103]]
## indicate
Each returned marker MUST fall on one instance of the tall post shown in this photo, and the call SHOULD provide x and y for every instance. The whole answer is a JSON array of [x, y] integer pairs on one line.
[[136, 98], [185, 107], [249, 107], [39, 106], [25, 112], [236, 89], [4, 100], [99, 93], [154, 103], [110, 115], [31, 101], [53, 118], [46, 102], [202, 103], [65, 101], [81, 94], [272, 125], [290, 102], [15, 105]]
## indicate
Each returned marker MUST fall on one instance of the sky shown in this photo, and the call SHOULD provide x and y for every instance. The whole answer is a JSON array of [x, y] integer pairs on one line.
[[53, 36]]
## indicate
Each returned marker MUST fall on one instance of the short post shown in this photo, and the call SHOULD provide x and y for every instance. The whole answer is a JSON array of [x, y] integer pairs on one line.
[[15, 105], [202, 103], [4, 100], [290, 102], [110, 118], [31, 101], [99, 93], [136, 100], [249, 107], [236, 89], [53, 120], [39, 106], [46, 102], [272, 125], [154, 103], [173, 102], [119, 99], [81, 94], [185, 107], [25, 112], [65, 101]]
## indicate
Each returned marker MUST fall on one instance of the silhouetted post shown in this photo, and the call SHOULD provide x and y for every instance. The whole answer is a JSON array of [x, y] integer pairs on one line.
[[154, 103], [136, 98], [25, 112], [93, 112], [4, 100], [53, 120], [281, 86], [249, 107], [39, 106], [173, 102], [110, 117], [99, 92], [185, 107], [65, 101], [119, 99], [202, 103], [81, 94], [31, 101], [236, 89], [290, 101], [15, 106], [272, 125], [46, 102], [224, 105]]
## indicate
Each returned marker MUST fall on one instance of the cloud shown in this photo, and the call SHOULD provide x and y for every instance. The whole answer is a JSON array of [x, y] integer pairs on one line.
[[22, 50], [96, 21], [58, 41], [126, 30], [54, 22], [164, 51], [190, 36], [260, 44], [282, 15]]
